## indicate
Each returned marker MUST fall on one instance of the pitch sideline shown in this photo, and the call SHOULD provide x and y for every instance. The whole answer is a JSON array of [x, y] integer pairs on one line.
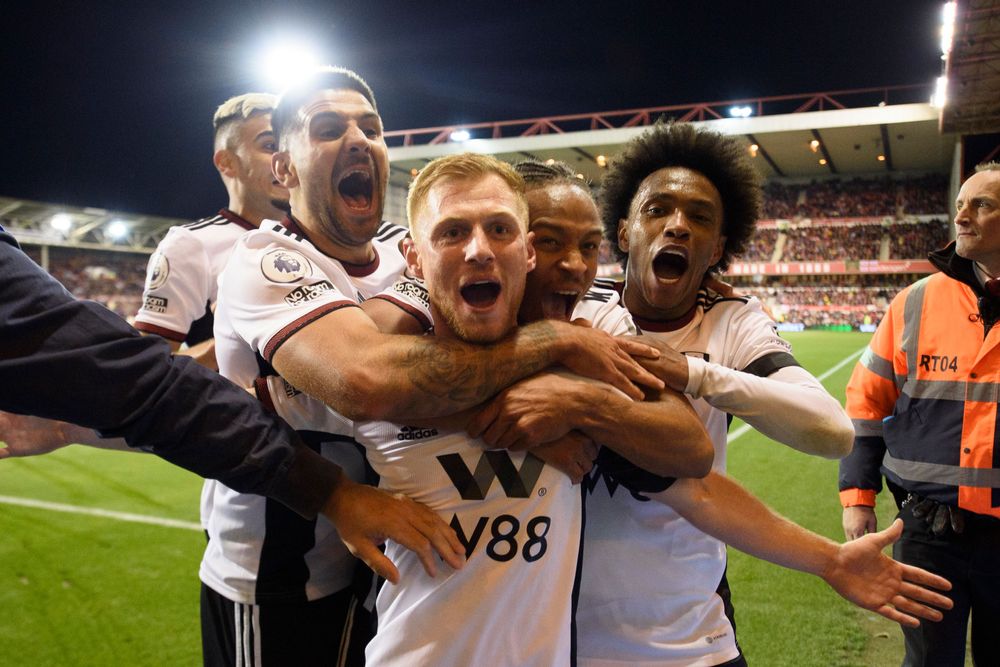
[[96, 511]]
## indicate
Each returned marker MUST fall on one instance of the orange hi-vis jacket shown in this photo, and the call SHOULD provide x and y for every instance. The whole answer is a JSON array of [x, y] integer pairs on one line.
[[923, 396]]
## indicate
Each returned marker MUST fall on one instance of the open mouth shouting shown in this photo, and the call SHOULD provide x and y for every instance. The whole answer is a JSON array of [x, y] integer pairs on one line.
[[356, 188], [670, 263], [559, 304], [481, 294]]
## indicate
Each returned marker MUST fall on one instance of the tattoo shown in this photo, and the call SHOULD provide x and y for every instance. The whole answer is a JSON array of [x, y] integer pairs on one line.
[[455, 375]]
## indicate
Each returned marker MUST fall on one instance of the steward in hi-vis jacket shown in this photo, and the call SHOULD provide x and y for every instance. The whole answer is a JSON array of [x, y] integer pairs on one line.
[[924, 400]]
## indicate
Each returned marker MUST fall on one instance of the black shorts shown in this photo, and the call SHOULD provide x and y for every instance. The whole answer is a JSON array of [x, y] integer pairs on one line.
[[331, 631]]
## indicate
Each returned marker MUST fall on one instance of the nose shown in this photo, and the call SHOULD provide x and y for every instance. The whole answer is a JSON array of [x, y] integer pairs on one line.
[[573, 262], [356, 140], [962, 214], [677, 225], [478, 248]]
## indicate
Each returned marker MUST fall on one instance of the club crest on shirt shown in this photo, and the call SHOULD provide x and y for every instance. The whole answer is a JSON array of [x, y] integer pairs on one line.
[[159, 269], [285, 266]]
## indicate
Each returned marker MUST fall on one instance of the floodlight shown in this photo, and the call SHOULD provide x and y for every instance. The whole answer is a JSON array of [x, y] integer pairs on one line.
[[814, 145], [287, 63], [940, 96], [740, 112], [460, 135], [117, 229], [947, 26], [61, 222], [602, 161]]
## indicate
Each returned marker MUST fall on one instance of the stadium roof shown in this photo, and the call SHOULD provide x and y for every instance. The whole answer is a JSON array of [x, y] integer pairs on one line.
[[851, 129], [87, 227]]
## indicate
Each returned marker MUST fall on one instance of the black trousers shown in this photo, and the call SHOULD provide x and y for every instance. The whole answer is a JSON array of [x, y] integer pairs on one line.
[[329, 632], [971, 562]]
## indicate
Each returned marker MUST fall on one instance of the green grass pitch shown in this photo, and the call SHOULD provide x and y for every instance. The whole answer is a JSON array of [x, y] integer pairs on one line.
[[89, 590]]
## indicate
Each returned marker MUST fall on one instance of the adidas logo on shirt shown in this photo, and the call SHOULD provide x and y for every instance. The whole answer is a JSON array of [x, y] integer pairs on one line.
[[415, 433]]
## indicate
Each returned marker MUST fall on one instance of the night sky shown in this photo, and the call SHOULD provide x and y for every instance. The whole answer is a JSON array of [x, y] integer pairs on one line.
[[109, 104]]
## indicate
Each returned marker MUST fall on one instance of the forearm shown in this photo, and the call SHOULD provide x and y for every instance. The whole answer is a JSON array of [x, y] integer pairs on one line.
[[663, 436], [789, 406], [725, 510], [398, 378]]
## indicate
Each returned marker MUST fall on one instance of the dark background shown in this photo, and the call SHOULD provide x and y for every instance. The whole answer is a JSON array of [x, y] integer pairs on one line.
[[109, 104]]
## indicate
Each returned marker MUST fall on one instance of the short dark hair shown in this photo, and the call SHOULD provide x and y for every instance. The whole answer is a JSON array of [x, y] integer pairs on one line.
[[720, 158], [538, 174], [285, 115]]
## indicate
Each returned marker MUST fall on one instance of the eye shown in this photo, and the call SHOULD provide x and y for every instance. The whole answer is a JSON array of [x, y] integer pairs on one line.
[[270, 147], [590, 247], [655, 210], [546, 242], [371, 133]]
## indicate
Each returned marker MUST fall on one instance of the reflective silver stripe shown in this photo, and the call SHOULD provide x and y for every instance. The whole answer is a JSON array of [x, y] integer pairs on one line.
[[911, 325], [940, 473], [952, 390], [867, 427], [880, 366]]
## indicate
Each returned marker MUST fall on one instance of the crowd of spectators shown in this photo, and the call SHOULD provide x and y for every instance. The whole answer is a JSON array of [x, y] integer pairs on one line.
[[114, 279], [829, 242], [827, 301], [761, 246], [914, 240], [856, 198]]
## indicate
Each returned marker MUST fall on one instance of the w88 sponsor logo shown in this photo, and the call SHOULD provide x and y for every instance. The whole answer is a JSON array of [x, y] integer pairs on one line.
[[506, 539]]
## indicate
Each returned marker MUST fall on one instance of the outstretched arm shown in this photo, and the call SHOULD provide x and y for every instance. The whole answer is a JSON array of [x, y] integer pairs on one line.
[[784, 402], [25, 435], [662, 435], [857, 571]]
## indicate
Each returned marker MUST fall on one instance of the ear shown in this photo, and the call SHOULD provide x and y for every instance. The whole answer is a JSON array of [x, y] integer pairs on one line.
[[720, 248], [226, 162], [623, 234], [283, 169], [412, 257], [532, 258]]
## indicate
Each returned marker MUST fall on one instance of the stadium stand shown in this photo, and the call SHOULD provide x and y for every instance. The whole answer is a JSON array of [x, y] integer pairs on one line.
[[113, 279]]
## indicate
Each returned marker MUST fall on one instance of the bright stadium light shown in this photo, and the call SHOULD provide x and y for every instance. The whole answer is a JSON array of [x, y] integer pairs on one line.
[[61, 222], [940, 96], [287, 63], [740, 112], [460, 135], [117, 229], [947, 26]]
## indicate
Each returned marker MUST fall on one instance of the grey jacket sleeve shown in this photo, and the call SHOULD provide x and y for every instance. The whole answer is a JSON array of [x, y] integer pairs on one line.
[[75, 361]]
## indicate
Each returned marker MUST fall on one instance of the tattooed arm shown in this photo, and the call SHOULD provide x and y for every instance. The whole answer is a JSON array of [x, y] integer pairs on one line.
[[345, 361]]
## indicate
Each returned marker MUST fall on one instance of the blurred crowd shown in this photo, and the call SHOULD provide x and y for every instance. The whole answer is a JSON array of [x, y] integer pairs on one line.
[[115, 279]]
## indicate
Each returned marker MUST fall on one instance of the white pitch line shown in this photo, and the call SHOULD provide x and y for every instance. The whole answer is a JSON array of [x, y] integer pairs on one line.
[[96, 511], [830, 371]]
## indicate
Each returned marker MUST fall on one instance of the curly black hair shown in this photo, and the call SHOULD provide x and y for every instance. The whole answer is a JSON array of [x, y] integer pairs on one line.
[[720, 158]]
